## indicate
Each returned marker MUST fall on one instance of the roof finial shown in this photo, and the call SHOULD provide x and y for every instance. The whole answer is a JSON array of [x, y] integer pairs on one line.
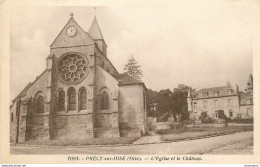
[[71, 15]]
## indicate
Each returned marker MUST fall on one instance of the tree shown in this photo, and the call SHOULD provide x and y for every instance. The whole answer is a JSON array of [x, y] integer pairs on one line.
[[133, 69], [164, 106], [179, 100], [151, 102]]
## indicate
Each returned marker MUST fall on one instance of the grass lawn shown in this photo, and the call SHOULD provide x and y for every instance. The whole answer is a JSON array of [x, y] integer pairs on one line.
[[189, 133], [91, 141]]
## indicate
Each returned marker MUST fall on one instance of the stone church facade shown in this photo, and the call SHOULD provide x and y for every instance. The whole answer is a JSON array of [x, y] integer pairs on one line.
[[80, 95]]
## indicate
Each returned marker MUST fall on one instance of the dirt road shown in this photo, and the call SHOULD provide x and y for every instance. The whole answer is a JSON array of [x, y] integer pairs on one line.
[[238, 143]]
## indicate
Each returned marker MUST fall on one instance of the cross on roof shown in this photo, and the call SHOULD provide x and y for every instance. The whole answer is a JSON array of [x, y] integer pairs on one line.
[[95, 9]]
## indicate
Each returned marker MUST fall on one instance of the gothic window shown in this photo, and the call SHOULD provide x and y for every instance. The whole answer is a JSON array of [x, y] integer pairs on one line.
[[72, 99], [104, 101], [83, 99], [61, 100], [72, 68], [40, 104]]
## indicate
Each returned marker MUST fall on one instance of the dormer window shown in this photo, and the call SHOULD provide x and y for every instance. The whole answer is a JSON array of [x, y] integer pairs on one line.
[[205, 94], [229, 91]]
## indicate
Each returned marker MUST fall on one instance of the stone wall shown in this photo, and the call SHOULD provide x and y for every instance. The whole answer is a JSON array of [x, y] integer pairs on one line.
[[106, 121], [132, 113], [73, 125], [247, 111], [13, 123], [37, 127]]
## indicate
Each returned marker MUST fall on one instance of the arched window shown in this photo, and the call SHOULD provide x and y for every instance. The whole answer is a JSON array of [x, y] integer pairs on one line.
[[61, 100], [72, 99], [104, 101], [40, 104], [83, 99]]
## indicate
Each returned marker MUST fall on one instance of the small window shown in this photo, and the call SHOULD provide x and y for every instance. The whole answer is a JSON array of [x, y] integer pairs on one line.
[[12, 117], [230, 113], [205, 104], [229, 91], [217, 93], [248, 112], [229, 102], [205, 94], [195, 104], [216, 114], [216, 103]]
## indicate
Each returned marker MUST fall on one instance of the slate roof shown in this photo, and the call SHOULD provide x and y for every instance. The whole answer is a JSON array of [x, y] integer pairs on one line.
[[222, 91], [22, 93], [94, 30], [243, 95], [125, 79]]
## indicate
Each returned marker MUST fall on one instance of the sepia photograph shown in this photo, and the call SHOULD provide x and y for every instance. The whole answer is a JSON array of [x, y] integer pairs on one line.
[[166, 79]]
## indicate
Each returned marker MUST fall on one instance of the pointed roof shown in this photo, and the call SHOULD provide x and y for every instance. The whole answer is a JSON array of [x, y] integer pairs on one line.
[[250, 81], [228, 85], [94, 30], [81, 37]]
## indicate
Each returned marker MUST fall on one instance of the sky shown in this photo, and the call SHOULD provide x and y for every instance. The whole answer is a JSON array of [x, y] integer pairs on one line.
[[201, 43]]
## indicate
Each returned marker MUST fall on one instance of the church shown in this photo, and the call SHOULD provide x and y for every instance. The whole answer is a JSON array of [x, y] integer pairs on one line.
[[80, 94]]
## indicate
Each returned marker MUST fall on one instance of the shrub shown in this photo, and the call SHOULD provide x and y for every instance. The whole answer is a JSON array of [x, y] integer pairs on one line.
[[241, 120]]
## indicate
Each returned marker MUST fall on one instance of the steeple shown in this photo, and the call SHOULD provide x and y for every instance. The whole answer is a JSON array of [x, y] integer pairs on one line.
[[95, 32], [250, 83]]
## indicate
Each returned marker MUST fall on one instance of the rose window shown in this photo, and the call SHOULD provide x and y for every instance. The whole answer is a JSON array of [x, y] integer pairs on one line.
[[72, 68]]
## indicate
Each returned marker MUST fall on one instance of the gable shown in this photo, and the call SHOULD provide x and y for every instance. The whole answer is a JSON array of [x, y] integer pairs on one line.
[[80, 38]]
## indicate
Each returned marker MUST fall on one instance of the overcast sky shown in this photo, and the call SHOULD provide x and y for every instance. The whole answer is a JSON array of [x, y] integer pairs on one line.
[[198, 44]]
